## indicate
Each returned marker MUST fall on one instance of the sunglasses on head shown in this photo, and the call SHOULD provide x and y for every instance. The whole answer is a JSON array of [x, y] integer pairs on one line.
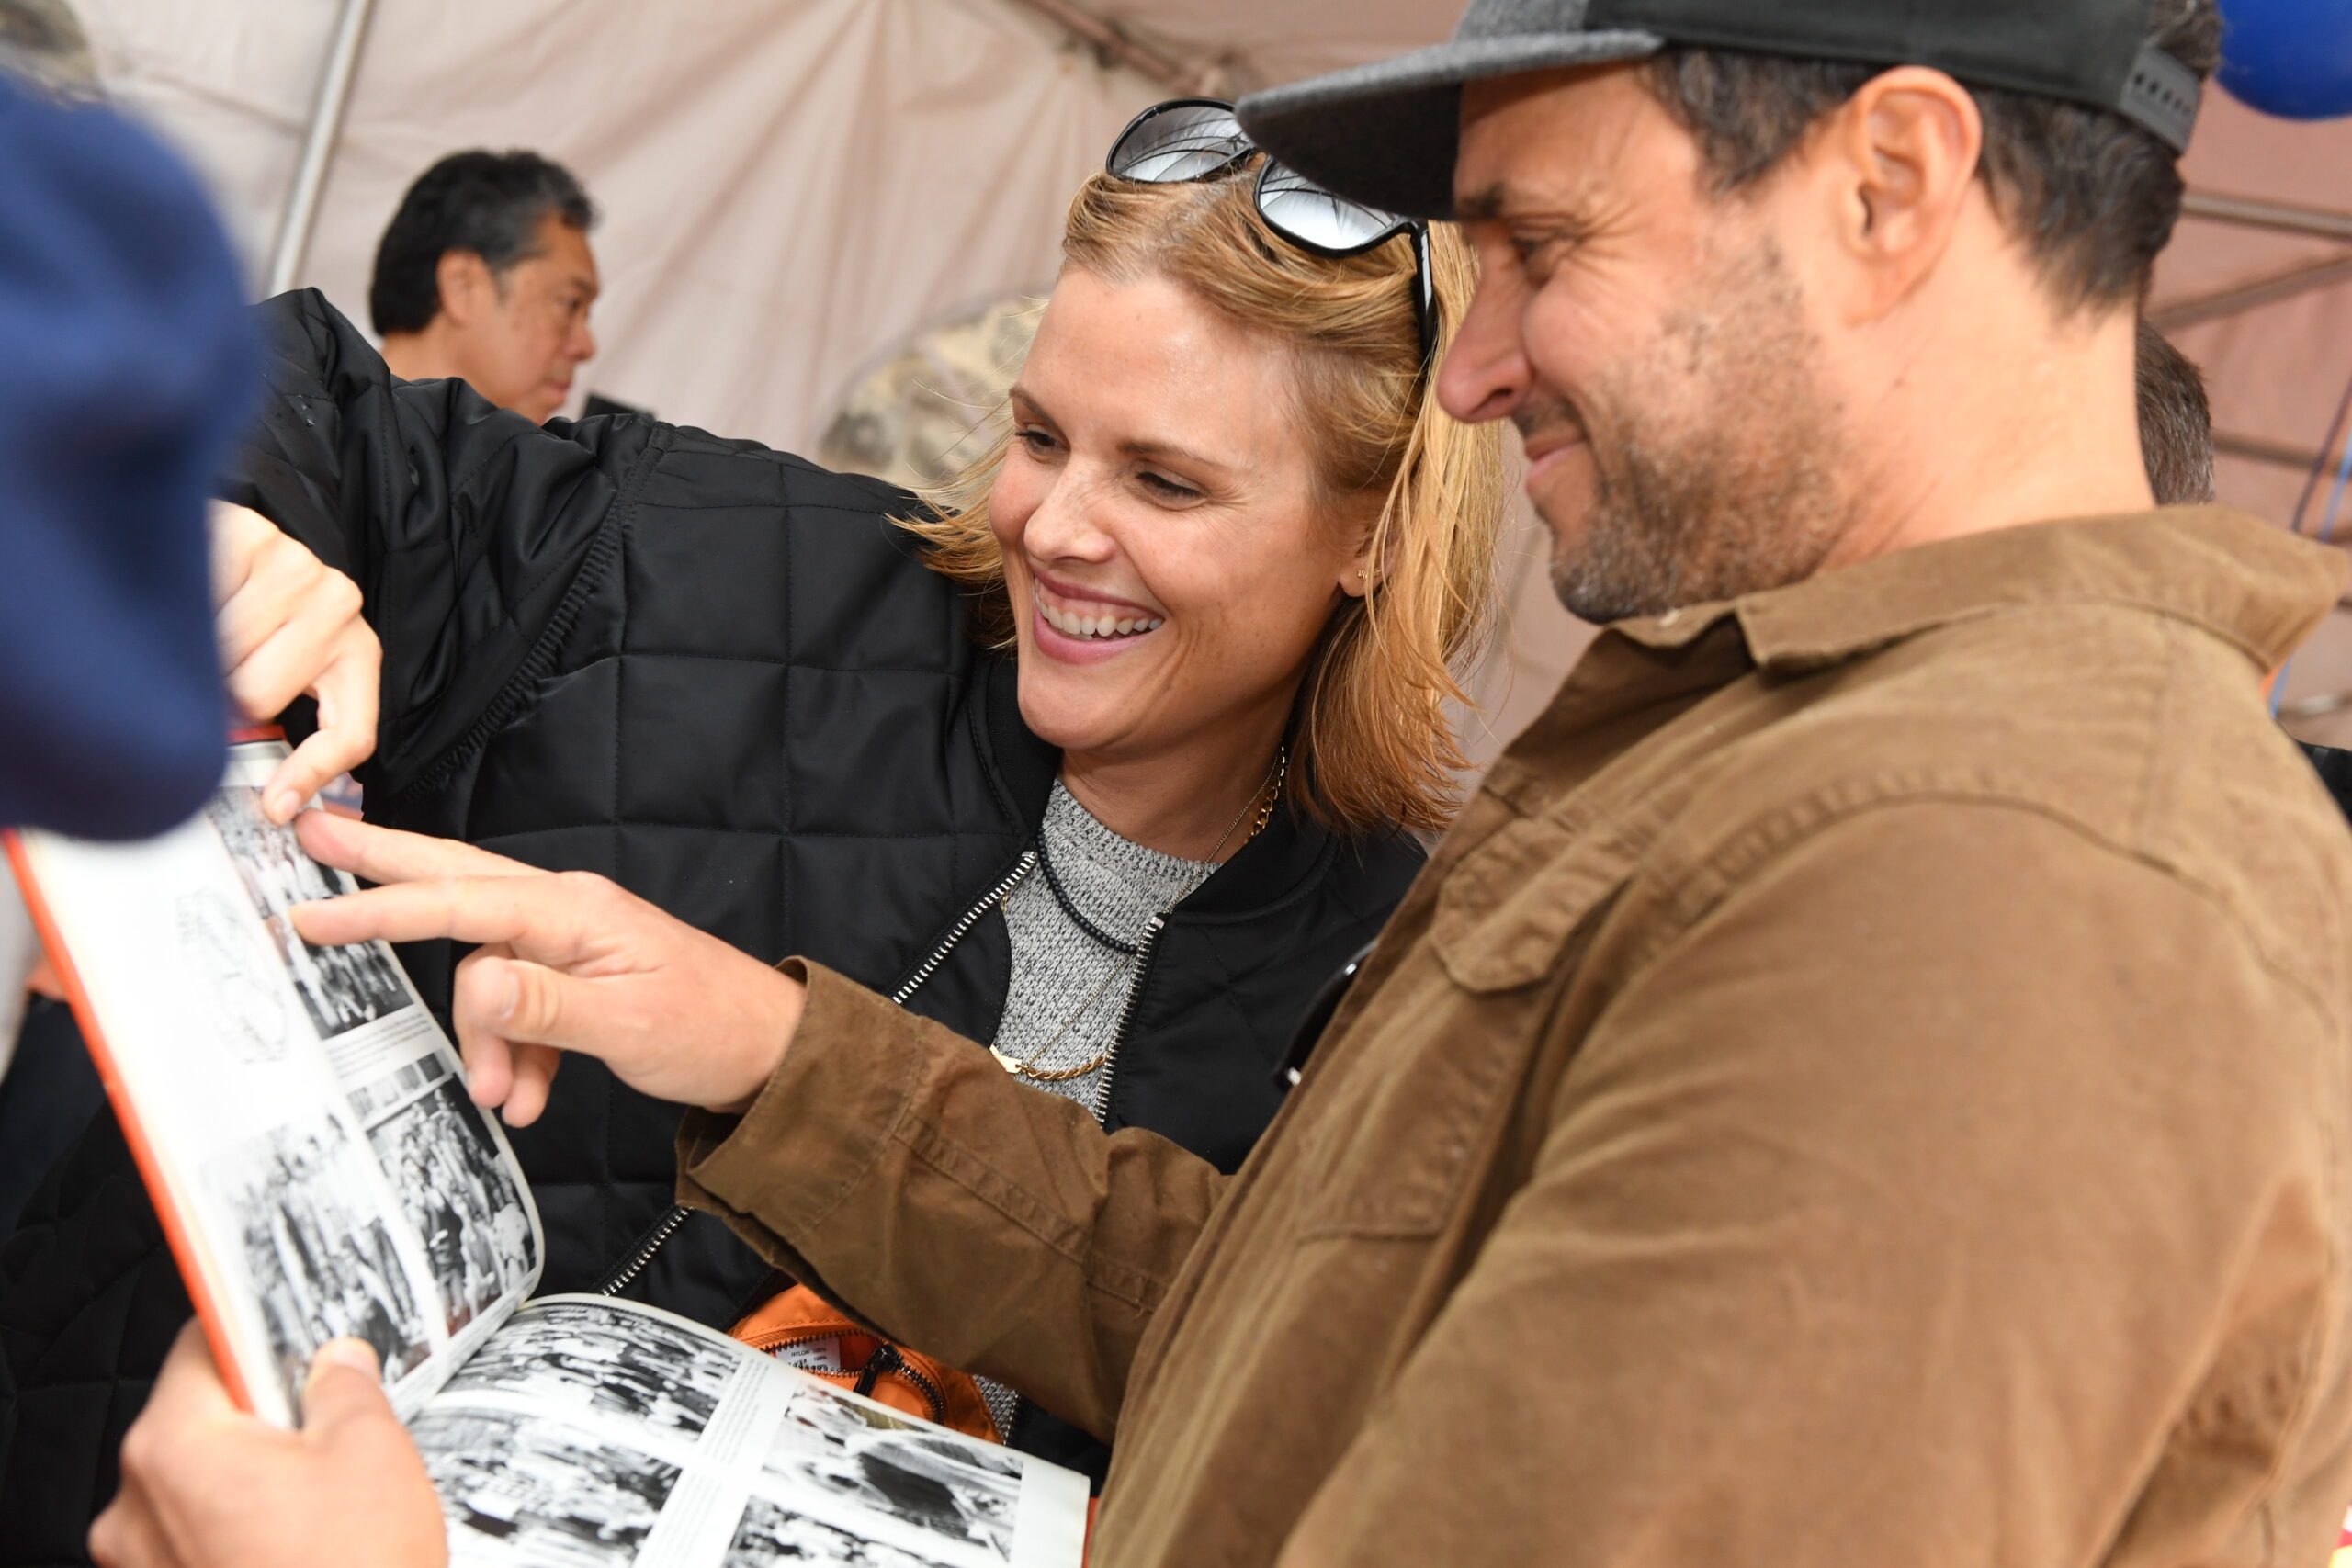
[[1189, 139]]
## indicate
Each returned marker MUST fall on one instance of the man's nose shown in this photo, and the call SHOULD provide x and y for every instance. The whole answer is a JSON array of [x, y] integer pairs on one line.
[[582, 346], [1486, 373]]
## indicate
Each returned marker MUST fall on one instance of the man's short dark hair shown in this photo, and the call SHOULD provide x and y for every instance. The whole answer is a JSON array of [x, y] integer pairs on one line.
[[489, 203], [2093, 195], [2176, 423]]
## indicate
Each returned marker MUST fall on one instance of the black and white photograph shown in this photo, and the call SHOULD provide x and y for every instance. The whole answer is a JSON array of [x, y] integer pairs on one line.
[[569, 1355], [960, 1491], [462, 1199], [523, 1490], [321, 1258], [341, 987], [770, 1533]]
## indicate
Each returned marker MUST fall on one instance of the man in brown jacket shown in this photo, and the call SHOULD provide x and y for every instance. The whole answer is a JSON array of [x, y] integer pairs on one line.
[[1863, 1083]]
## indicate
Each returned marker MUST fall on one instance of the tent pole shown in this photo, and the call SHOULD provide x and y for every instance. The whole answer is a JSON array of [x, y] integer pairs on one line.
[[318, 145], [2320, 222], [2302, 278], [2260, 449]]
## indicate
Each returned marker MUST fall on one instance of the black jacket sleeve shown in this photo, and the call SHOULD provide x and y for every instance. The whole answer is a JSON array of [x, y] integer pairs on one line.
[[471, 531], [2335, 769]]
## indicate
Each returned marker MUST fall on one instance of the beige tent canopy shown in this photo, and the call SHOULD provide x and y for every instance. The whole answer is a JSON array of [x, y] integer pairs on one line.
[[795, 189]]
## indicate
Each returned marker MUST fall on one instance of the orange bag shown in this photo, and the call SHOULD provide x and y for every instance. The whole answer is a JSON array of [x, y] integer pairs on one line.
[[801, 1329]]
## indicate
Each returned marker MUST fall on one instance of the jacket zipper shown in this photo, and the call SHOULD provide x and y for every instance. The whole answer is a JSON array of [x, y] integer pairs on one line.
[[667, 1226], [963, 928], [887, 1358], [768, 1346], [1101, 1106], [663, 1229]]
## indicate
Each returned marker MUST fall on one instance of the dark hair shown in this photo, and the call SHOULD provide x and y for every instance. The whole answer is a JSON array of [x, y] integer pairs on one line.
[[2176, 423], [489, 203], [2094, 195]]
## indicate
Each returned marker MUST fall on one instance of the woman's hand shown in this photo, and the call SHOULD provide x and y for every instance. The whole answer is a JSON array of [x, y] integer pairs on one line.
[[289, 623], [568, 962], [206, 1485]]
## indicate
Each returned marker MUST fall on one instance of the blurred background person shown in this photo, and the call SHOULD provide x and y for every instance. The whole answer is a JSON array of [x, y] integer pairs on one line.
[[124, 367], [485, 275]]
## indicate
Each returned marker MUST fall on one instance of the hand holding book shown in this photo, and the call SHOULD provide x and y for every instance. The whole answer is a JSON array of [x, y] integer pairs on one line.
[[568, 962], [204, 1484]]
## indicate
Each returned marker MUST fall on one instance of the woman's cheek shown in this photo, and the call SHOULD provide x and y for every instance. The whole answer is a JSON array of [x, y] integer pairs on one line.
[[1013, 500]]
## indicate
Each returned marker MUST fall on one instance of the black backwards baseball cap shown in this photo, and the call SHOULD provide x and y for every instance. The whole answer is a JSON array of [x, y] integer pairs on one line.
[[1387, 134]]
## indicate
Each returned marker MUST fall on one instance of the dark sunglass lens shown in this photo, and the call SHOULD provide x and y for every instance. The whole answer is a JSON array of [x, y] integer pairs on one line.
[[1191, 142], [1307, 212]]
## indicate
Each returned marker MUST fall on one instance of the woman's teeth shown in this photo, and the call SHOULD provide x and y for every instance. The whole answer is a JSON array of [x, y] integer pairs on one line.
[[1070, 624]]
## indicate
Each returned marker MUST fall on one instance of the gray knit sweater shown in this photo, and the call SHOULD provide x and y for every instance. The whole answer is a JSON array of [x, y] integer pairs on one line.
[[1062, 976]]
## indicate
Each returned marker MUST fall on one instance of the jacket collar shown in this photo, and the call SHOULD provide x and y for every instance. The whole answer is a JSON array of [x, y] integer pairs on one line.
[[1277, 865], [1022, 766], [2243, 581]]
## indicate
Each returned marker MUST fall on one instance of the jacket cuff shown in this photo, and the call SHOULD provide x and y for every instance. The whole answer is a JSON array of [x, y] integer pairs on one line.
[[816, 1129]]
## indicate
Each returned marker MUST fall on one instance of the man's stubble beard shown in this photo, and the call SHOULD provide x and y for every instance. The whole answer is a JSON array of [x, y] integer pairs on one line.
[[1715, 457]]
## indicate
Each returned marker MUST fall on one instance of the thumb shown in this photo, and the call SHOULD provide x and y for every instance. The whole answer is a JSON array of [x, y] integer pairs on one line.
[[346, 1387]]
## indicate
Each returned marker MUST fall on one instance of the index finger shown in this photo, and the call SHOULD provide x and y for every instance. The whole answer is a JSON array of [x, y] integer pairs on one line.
[[344, 739], [389, 855], [538, 916]]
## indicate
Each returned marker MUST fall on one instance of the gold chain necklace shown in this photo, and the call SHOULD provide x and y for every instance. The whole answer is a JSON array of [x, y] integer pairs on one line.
[[1271, 793]]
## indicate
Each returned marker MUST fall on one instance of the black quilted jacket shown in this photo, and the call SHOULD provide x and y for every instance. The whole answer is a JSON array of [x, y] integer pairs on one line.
[[719, 676]]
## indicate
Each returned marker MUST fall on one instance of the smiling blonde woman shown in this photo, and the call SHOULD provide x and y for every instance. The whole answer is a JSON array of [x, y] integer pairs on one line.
[[1404, 502], [1111, 756]]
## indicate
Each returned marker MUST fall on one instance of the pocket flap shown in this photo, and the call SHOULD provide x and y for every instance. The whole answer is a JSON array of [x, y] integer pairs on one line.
[[1510, 906]]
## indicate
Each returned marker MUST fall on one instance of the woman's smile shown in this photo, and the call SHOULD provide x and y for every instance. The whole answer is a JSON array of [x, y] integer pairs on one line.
[[1080, 627]]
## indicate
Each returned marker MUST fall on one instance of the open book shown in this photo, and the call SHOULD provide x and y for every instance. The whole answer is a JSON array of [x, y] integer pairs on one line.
[[304, 1127]]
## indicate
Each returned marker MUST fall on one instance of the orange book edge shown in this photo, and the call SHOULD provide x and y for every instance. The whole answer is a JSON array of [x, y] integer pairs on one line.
[[143, 1152]]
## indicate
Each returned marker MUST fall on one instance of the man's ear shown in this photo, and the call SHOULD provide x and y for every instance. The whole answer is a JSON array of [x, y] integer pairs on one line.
[[468, 290], [1903, 155]]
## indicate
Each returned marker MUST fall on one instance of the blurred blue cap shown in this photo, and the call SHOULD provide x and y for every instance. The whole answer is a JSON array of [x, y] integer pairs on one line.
[[126, 367]]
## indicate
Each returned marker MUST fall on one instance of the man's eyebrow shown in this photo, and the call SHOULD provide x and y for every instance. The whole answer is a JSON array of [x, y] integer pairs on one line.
[[1483, 207]]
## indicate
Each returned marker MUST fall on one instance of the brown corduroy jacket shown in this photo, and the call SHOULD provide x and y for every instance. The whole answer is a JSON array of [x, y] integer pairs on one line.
[[1864, 1083]]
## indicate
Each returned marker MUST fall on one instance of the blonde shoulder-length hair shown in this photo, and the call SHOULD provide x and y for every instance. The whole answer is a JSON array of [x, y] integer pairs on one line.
[[1373, 749]]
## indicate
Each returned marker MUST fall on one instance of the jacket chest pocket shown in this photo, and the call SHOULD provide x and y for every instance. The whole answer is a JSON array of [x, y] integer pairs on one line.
[[1416, 1101]]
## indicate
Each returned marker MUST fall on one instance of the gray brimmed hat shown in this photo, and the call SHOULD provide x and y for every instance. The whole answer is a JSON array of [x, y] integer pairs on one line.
[[1385, 134]]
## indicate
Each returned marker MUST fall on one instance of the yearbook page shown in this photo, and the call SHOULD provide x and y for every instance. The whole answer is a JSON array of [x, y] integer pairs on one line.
[[299, 1116], [593, 1433]]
